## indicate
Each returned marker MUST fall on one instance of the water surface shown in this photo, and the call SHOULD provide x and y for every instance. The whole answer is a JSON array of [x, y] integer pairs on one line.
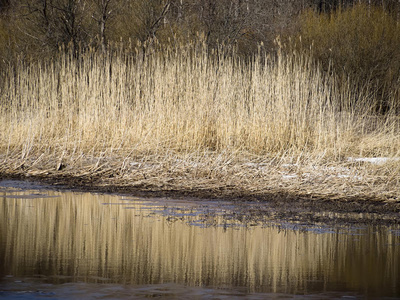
[[65, 245]]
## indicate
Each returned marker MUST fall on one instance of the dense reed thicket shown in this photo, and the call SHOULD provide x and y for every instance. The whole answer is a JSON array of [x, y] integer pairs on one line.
[[190, 113], [186, 100]]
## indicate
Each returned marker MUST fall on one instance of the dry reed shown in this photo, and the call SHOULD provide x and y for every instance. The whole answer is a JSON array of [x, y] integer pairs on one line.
[[194, 118]]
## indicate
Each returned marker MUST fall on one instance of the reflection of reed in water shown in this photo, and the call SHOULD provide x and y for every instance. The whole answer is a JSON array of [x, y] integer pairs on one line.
[[74, 235]]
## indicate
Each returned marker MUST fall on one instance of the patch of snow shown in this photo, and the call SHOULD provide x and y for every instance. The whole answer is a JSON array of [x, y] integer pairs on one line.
[[373, 160], [342, 176], [289, 165], [336, 169], [349, 176]]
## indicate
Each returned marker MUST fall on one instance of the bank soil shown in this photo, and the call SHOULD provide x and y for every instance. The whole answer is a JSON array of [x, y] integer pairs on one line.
[[273, 204]]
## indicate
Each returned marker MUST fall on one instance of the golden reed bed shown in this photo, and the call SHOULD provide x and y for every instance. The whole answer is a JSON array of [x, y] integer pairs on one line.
[[194, 119]]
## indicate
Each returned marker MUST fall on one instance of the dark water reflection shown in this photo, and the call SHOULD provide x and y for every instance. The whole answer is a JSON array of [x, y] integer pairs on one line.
[[73, 245]]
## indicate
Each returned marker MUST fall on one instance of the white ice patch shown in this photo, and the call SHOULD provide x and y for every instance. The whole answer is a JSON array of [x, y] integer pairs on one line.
[[289, 165], [374, 160]]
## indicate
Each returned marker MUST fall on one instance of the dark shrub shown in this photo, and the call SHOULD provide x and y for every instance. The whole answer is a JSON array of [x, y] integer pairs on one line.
[[360, 44]]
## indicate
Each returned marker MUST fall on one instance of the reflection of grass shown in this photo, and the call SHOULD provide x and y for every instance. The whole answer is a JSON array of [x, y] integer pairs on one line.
[[191, 119], [74, 235]]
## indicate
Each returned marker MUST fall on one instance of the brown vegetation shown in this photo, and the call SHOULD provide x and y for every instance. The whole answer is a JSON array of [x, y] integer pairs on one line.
[[194, 119], [361, 44], [164, 112]]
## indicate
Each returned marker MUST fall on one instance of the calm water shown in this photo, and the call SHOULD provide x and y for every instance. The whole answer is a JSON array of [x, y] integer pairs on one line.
[[64, 245]]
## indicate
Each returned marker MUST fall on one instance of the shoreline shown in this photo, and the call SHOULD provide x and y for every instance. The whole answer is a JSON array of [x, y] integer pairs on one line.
[[276, 131], [278, 204]]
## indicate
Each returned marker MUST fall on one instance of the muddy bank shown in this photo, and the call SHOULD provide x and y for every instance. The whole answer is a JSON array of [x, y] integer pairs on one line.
[[275, 203]]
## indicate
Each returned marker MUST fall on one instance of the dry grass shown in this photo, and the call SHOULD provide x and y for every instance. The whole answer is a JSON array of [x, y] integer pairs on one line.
[[194, 118]]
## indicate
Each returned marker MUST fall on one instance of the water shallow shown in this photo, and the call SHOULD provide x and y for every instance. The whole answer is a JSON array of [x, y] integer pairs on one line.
[[66, 245]]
